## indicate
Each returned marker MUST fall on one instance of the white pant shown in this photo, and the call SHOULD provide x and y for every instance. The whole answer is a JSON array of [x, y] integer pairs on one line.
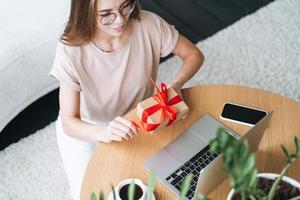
[[75, 156]]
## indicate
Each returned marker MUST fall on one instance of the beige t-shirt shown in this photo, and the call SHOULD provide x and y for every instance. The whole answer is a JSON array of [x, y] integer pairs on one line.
[[111, 83]]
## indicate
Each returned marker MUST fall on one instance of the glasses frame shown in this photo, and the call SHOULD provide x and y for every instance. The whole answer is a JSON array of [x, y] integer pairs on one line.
[[115, 15]]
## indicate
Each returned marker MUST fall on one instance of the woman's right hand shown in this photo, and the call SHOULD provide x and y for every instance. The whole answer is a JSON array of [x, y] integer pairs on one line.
[[118, 129]]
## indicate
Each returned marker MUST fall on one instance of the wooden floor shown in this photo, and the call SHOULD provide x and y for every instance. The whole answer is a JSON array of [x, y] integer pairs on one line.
[[195, 19]]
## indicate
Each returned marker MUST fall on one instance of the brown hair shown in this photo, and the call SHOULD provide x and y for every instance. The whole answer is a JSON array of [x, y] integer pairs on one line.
[[80, 28]]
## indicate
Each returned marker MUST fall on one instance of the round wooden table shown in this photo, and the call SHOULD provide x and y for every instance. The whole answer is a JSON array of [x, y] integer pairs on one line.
[[113, 162]]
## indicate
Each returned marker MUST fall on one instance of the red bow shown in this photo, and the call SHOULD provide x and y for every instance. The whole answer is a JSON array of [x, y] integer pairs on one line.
[[161, 97]]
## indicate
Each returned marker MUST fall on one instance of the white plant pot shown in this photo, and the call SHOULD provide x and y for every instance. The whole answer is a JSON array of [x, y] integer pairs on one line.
[[271, 176]]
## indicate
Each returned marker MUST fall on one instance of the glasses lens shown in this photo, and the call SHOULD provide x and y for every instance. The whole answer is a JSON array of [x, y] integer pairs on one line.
[[108, 19], [126, 10]]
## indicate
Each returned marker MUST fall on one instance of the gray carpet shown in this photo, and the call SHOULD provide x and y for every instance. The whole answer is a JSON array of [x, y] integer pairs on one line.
[[261, 50]]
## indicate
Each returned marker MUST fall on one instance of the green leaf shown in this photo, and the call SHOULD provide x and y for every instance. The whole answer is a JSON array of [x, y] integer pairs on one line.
[[151, 185], [242, 151], [202, 197], [228, 156], [237, 185], [253, 179], [259, 193], [297, 144], [102, 195], [131, 191], [93, 196], [248, 164], [185, 186], [223, 138], [285, 152], [213, 146], [114, 192]]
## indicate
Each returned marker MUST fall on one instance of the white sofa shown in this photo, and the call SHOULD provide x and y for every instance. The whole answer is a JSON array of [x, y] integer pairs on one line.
[[29, 31]]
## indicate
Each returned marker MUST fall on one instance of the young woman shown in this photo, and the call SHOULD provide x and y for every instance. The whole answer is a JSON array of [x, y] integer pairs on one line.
[[103, 60]]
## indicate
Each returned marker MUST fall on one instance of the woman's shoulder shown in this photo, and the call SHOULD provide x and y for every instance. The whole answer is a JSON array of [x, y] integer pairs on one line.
[[145, 14], [69, 51], [149, 18], [66, 48]]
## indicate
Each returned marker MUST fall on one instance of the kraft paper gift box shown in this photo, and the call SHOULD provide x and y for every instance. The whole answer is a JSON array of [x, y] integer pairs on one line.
[[154, 118]]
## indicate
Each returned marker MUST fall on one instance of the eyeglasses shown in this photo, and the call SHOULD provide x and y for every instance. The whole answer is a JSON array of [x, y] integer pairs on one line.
[[125, 10]]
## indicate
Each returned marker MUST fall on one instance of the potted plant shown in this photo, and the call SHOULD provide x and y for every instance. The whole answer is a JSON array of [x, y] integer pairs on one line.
[[239, 164]]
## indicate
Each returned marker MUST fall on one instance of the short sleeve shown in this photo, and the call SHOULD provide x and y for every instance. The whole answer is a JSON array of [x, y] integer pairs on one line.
[[63, 69], [169, 37]]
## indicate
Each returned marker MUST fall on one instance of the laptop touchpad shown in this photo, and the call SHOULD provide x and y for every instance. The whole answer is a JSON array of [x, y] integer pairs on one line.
[[206, 128], [194, 139], [186, 146]]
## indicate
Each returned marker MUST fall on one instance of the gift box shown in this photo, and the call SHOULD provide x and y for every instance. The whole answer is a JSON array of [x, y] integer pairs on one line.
[[163, 109]]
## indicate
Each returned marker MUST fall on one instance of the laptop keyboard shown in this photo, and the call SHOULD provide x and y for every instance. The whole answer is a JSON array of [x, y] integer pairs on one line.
[[194, 166]]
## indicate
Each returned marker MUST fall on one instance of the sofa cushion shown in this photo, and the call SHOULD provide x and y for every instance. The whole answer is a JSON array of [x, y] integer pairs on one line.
[[29, 33]]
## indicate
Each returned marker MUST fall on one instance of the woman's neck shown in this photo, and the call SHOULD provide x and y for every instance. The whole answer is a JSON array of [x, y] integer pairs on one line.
[[107, 43]]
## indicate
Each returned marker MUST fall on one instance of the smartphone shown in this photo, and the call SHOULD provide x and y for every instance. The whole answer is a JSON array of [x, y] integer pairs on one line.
[[242, 114]]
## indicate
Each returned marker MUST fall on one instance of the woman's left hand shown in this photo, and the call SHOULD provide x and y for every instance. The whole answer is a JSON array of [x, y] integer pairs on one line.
[[177, 87]]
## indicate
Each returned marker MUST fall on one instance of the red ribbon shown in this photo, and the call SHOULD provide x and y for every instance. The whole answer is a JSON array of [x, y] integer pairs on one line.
[[161, 97]]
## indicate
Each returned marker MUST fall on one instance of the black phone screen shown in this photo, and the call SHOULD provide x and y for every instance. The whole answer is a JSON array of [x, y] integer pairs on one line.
[[242, 114]]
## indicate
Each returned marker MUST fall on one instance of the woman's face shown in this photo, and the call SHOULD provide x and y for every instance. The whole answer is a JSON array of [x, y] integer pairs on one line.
[[112, 16]]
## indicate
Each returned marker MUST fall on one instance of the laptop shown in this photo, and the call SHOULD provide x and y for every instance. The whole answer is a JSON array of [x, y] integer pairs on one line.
[[190, 153]]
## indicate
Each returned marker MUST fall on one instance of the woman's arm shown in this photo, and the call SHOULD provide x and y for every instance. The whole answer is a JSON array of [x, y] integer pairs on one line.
[[69, 101], [192, 61]]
